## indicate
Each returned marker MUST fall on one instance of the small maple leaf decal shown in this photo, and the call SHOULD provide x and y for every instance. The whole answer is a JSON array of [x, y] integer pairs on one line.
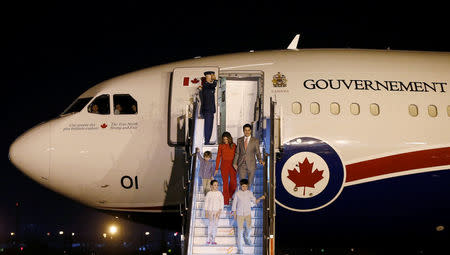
[[104, 125], [305, 177], [195, 80]]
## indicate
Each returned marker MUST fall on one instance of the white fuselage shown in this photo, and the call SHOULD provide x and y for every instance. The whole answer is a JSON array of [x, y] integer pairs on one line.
[[124, 162]]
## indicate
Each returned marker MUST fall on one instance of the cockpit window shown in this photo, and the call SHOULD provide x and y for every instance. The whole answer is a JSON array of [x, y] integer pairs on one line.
[[124, 104], [100, 105], [78, 105]]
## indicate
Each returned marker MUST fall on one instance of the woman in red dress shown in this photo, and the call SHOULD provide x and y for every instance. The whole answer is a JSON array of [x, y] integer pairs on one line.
[[225, 156]]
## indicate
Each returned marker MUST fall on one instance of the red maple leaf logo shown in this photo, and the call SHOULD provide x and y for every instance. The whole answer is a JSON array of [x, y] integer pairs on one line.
[[104, 125], [305, 177], [195, 80]]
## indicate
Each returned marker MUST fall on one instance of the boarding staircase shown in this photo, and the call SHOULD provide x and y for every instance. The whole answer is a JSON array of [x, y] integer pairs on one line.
[[195, 224], [226, 232]]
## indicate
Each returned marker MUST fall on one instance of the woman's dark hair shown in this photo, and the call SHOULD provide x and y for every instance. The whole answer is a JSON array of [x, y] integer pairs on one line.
[[230, 139], [212, 182]]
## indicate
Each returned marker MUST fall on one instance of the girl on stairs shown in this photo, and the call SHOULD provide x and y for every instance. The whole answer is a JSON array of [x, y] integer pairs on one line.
[[213, 209]]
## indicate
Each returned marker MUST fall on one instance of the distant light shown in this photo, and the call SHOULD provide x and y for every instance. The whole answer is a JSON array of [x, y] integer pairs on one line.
[[147, 233], [73, 234], [440, 228], [251, 51], [197, 57], [21, 248], [104, 235], [175, 234], [12, 233], [48, 233], [170, 250], [61, 232], [112, 230], [117, 217]]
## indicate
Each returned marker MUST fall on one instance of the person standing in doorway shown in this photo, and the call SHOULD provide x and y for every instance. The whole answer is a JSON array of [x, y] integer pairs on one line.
[[208, 106], [225, 156], [244, 158]]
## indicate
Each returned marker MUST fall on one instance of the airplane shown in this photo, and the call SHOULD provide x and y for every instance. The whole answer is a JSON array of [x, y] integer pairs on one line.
[[357, 142]]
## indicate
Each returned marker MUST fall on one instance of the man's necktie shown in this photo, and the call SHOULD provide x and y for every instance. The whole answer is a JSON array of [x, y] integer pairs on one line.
[[245, 143]]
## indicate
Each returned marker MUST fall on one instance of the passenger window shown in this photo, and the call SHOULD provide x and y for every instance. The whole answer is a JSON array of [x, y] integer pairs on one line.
[[124, 104], [432, 110], [315, 108], [296, 108], [354, 108], [335, 108], [100, 105], [413, 110], [374, 109]]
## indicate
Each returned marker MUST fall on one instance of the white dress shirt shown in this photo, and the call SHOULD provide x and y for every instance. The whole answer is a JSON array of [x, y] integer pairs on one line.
[[242, 202]]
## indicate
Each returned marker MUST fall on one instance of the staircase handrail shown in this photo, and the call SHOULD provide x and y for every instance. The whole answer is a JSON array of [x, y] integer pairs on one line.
[[190, 183], [269, 190]]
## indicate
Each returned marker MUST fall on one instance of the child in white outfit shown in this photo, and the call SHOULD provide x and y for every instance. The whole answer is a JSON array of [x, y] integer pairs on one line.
[[213, 209]]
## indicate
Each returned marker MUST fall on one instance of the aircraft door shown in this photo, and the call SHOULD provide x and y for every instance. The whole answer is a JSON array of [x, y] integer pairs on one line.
[[222, 103], [183, 91], [241, 96]]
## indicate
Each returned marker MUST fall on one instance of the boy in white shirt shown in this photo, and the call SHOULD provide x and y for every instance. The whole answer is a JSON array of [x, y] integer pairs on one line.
[[242, 211], [213, 209]]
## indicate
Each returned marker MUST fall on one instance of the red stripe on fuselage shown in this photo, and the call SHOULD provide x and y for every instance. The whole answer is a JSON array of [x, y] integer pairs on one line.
[[398, 163]]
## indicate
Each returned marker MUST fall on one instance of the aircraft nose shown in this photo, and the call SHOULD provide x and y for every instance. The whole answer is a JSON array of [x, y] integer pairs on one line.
[[30, 152]]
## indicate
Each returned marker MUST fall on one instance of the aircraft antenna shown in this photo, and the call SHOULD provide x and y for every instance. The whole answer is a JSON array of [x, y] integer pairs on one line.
[[294, 43]]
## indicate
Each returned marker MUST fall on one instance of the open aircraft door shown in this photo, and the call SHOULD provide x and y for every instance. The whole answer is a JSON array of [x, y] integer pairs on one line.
[[184, 89]]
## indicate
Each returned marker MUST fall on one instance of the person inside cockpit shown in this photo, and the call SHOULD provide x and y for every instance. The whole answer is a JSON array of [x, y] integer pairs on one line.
[[94, 109], [118, 109], [133, 109]]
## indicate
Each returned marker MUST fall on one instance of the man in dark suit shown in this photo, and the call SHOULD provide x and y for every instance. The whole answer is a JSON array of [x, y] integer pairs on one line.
[[208, 103], [244, 158]]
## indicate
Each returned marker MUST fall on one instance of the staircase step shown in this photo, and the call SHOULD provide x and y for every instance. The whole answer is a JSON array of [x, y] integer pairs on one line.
[[226, 240], [258, 188], [256, 213], [258, 181], [203, 222], [199, 205], [226, 231], [225, 249], [201, 196]]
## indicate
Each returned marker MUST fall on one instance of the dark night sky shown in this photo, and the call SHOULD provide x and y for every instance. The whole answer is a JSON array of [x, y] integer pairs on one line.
[[51, 53]]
